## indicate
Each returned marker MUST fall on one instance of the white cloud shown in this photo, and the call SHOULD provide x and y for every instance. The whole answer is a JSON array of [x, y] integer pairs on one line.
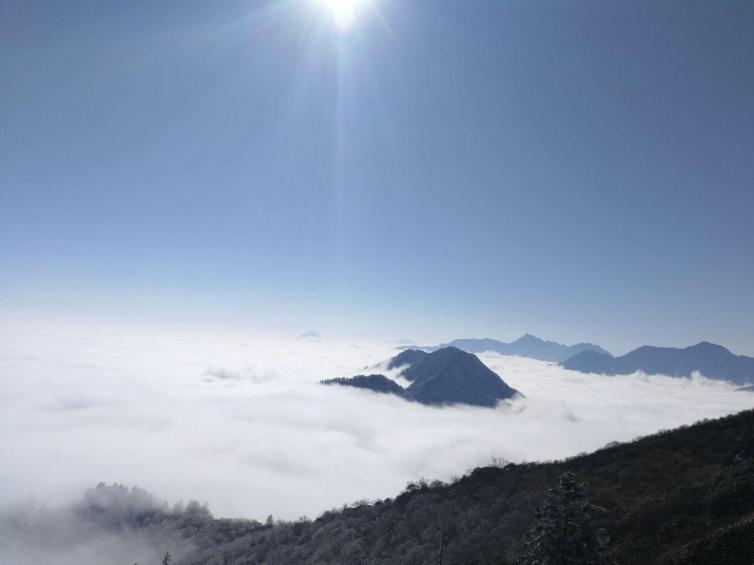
[[241, 423]]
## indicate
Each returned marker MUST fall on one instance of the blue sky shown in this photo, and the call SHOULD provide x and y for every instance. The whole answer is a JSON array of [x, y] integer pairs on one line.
[[579, 170]]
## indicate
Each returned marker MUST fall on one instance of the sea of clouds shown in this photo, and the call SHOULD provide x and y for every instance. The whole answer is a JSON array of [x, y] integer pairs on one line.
[[240, 421]]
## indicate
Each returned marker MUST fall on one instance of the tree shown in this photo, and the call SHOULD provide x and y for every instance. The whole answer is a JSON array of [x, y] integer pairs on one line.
[[167, 559], [563, 532]]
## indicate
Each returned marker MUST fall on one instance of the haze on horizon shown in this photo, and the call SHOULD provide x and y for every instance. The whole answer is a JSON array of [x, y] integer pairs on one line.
[[423, 170]]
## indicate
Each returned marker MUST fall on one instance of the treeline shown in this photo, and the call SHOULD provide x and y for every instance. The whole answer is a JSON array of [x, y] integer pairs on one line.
[[684, 497]]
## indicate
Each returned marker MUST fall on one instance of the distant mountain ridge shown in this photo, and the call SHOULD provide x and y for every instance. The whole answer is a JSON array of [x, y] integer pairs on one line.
[[310, 335], [711, 360], [445, 376], [526, 346]]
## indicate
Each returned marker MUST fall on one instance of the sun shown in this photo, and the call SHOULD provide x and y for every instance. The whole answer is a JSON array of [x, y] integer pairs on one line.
[[343, 13]]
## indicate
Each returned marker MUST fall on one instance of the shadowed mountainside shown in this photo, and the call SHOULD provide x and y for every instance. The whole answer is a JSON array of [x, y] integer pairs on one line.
[[445, 376], [712, 361], [452, 376], [375, 383], [408, 357]]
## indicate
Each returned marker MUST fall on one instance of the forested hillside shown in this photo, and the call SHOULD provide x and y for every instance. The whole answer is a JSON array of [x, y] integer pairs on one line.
[[680, 497]]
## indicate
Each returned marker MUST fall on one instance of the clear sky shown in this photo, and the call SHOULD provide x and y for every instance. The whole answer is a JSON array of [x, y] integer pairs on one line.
[[581, 170]]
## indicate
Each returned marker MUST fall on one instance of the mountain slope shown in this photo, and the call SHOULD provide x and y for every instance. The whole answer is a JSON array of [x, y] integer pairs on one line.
[[452, 376], [375, 383], [409, 357], [445, 376], [712, 361], [526, 346]]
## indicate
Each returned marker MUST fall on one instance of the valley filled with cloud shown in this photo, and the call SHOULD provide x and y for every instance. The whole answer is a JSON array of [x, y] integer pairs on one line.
[[241, 423]]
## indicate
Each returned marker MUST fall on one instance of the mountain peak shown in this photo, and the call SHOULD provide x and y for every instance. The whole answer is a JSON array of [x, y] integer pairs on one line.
[[408, 357], [709, 346], [310, 335], [453, 376], [708, 359], [450, 375], [529, 338]]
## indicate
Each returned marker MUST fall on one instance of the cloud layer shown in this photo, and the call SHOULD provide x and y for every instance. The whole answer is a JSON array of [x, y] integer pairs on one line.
[[240, 422]]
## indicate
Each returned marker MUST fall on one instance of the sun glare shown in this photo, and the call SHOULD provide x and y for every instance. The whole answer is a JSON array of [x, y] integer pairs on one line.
[[343, 13]]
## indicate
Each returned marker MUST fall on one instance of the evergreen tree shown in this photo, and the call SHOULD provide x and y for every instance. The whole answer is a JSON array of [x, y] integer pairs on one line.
[[563, 531]]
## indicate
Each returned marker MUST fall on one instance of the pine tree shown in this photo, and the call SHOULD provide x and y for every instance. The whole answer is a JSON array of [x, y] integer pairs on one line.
[[563, 532]]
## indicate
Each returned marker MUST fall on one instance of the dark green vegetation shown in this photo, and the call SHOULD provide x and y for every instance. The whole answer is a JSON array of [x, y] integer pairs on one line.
[[376, 383], [446, 376], [684, 497], [712, 361], [563, 530]]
